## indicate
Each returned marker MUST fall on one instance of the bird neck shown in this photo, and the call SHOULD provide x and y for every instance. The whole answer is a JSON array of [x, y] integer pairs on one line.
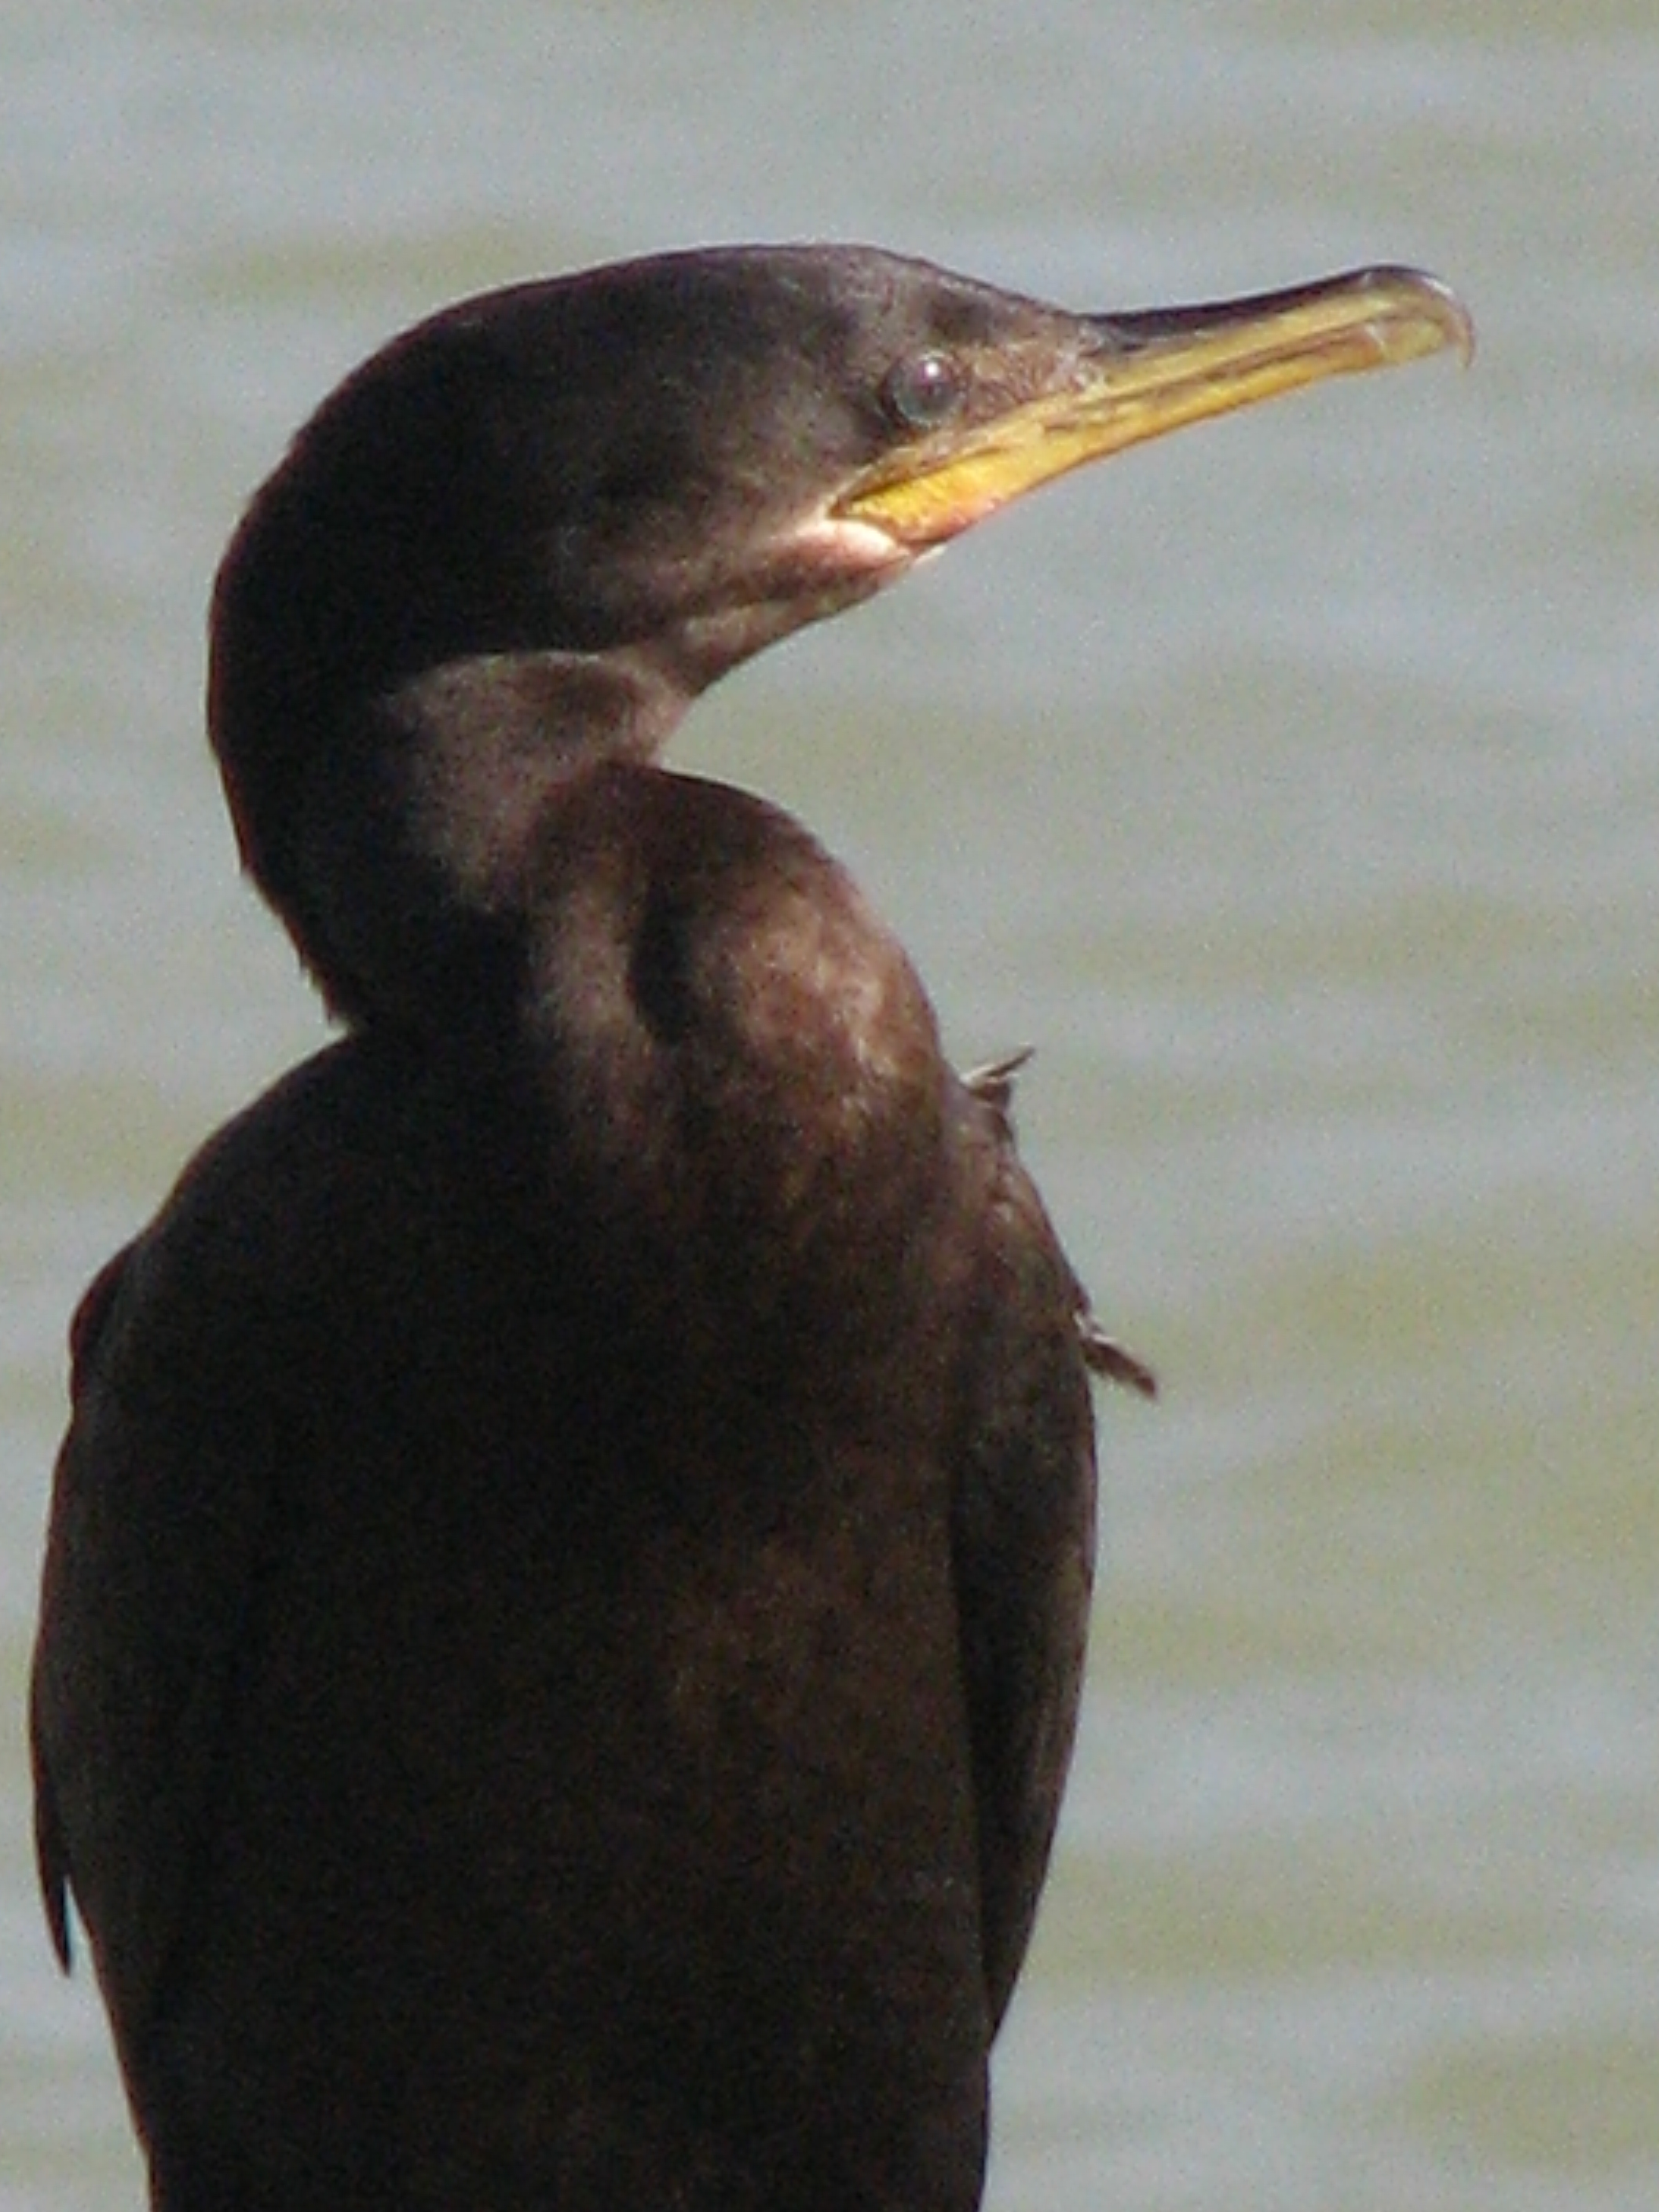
[[481, 750], [397, 860]]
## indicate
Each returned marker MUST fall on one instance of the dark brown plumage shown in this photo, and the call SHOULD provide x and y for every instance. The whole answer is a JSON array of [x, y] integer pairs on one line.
[[568, 1574]]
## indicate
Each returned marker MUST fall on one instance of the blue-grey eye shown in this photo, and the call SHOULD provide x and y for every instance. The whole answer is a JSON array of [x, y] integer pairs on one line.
[[923, 391]]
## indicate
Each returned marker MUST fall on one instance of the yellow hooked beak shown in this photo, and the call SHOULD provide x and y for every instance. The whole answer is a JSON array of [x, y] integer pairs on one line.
[[1135, 376]]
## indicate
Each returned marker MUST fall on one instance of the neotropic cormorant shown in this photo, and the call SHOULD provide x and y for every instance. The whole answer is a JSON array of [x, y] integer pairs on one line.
[[568, 1578]]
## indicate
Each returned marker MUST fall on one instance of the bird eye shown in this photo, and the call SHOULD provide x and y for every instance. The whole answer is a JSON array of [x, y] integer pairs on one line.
[[924, 390]]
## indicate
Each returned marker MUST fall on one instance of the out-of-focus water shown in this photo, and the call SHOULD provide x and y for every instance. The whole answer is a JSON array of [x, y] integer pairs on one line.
[[1294, 786]]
